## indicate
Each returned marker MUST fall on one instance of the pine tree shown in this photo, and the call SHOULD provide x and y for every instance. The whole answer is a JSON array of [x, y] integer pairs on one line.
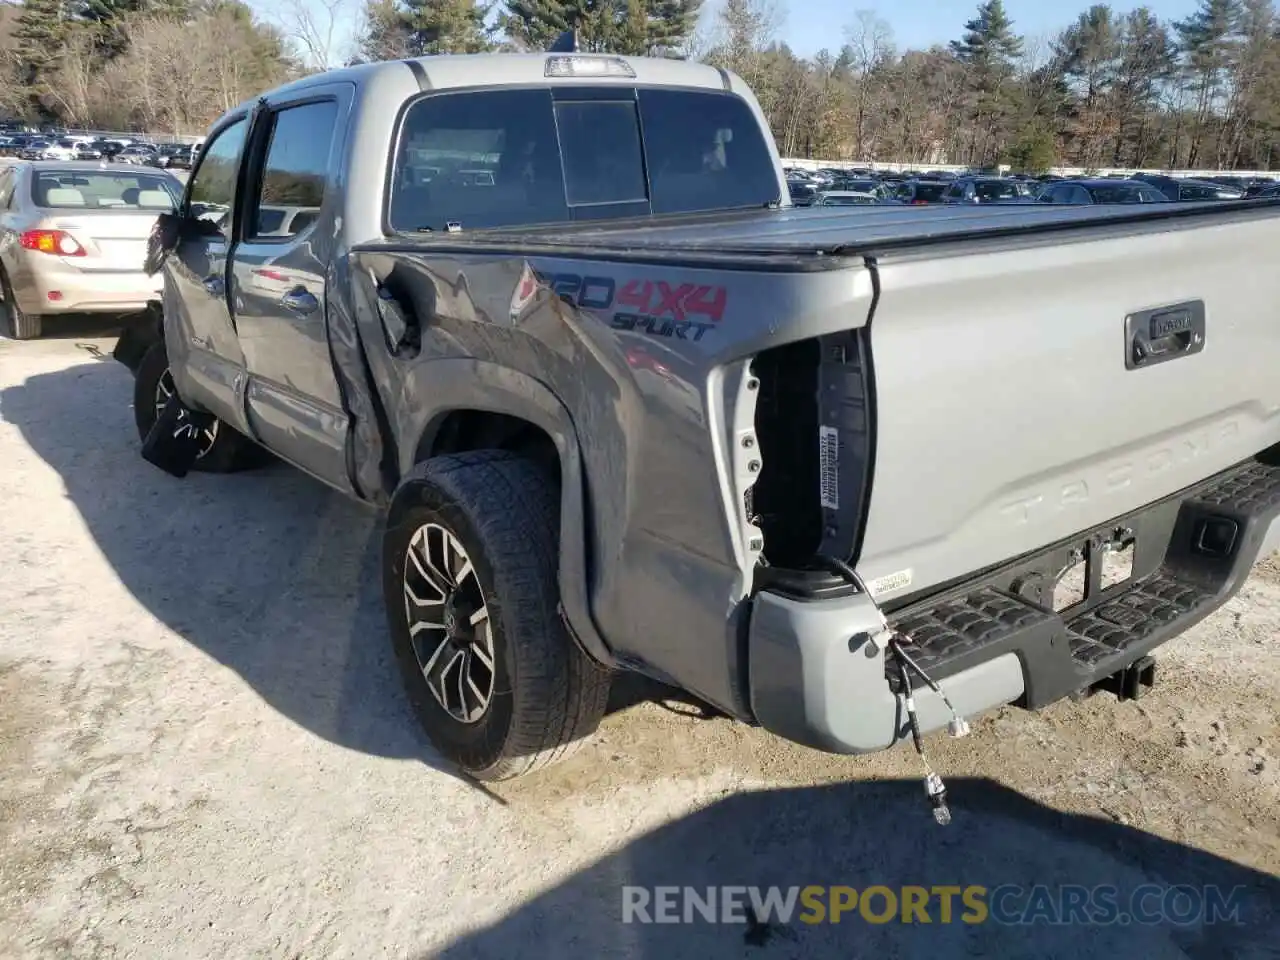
[[989, 43], [672, 22], [1207, 41], [988, 48], [534, 24], [634, 27], [385, 35], [446, 26]]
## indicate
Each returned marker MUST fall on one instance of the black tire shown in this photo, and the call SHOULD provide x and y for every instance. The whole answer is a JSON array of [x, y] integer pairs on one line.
[[230, 451], [548, 696], [19, 324]]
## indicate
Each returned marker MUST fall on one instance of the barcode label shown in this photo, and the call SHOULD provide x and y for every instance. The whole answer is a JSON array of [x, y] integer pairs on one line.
[[829, 467]]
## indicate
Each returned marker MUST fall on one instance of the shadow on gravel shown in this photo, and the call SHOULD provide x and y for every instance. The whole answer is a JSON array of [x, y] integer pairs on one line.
[[881, 833], [269, 572]]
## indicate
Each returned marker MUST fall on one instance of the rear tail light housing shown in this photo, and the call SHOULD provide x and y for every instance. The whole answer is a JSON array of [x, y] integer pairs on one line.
[[58, 242], [813, 443]]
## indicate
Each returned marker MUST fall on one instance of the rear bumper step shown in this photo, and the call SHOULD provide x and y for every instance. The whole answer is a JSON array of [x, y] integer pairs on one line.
[[1193, 551], [815, 678]]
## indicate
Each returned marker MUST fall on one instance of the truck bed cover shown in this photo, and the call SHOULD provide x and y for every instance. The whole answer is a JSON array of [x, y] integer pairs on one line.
[[809, 233]]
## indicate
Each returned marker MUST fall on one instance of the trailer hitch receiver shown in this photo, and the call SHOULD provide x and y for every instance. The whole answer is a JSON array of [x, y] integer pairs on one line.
[[1131, 682]]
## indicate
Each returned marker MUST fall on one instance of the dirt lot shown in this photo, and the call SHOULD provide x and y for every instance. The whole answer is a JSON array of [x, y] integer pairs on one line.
[[204, 753]]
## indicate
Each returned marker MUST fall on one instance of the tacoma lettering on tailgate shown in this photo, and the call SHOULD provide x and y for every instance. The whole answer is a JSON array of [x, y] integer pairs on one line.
[[1115, 477]]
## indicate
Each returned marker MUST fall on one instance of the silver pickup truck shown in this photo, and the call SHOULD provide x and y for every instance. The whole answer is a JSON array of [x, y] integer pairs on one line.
[[626, 409]]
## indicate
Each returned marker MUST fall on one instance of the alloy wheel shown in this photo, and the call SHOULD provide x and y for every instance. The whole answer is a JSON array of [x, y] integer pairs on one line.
[[164, 391], [449, 624]]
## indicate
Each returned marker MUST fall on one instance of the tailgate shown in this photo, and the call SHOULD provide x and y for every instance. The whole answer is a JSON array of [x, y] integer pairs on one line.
[[1009, 410]]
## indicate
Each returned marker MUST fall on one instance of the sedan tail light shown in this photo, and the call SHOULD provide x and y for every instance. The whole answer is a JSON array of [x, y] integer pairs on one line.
[[57, 242]]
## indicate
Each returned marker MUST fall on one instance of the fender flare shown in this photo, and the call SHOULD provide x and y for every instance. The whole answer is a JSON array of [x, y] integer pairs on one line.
[[449, 385]]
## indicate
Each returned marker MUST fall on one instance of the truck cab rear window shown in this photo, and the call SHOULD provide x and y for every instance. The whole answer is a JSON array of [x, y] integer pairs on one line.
[[600, 147], [483, 159], [705, 152], [471, 160]]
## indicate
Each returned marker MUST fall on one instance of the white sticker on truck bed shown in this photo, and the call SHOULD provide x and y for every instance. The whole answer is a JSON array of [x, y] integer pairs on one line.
[[829, 466], [890, 582]]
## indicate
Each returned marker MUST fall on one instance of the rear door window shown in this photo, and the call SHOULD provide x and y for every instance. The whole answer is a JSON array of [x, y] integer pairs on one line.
[[295, 170]]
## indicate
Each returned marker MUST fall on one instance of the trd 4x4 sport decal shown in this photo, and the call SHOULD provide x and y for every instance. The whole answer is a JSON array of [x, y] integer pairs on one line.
[[682, 311]]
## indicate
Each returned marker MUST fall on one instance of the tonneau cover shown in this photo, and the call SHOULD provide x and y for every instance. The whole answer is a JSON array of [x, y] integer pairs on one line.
[[809, 231]]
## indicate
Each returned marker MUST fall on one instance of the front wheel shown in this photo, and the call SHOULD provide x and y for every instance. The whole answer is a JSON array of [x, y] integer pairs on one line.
[[222, 449], [469, 568]]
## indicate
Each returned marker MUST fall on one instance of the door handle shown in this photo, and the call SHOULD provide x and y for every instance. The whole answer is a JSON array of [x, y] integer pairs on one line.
[[299, 300], [215, 285]]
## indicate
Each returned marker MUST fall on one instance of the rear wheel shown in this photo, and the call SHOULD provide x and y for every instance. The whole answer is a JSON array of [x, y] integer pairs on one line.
[[222, 449], [21, 325], [469, 570]]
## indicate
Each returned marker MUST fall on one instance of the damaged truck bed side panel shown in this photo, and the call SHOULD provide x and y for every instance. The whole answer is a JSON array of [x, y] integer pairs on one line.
[[640, 374]]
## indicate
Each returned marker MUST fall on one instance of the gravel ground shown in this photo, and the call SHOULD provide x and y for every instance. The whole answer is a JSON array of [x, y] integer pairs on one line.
[[204, 752]]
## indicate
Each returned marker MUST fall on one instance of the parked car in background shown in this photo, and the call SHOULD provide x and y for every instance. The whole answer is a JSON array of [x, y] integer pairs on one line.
[[918, 193], [1185, 188], [172, 156], [987, 190], [850, 198], [868, 185], [34, 149], [1101, 191], [88, 151], [138, 154], [73, 238], [804, 193]]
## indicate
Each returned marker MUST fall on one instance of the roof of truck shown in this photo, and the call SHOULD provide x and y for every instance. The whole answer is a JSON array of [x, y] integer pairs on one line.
[[451, 71]]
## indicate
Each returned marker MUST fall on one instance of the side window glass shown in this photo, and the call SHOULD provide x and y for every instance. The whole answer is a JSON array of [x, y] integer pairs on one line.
[[6, 188], [213, 184], [473, 160], [600, 143], [291, 188]]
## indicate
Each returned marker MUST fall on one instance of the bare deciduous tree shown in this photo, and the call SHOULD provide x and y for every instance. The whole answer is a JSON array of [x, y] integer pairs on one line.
[[317, 30]]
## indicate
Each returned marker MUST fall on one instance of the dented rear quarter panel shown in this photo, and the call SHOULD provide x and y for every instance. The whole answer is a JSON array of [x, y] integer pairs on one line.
[[640, 374]]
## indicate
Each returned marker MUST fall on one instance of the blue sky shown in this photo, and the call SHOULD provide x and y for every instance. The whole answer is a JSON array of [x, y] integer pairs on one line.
[[811, 25]]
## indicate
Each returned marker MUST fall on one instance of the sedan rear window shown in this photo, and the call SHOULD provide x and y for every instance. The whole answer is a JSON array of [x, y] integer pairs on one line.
[[75, 190]]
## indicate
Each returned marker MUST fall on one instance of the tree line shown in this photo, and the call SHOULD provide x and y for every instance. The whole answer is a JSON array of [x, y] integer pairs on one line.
[[1109, 89]]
